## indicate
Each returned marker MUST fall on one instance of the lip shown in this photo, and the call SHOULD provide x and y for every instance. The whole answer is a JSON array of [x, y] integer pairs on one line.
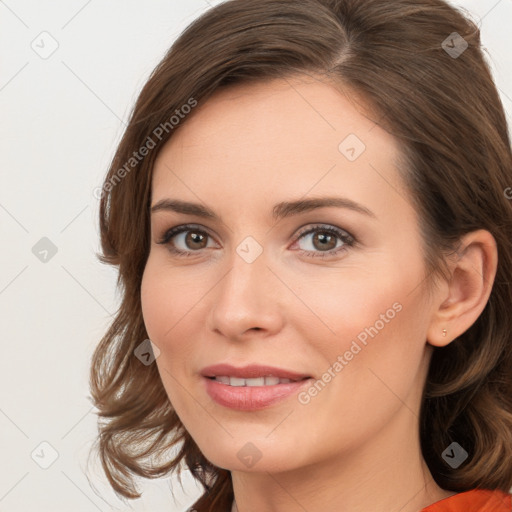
[[251, 371], [251, 398]]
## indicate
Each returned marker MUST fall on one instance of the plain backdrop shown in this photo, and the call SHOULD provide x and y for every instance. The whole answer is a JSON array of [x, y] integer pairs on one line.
[[70, 72]]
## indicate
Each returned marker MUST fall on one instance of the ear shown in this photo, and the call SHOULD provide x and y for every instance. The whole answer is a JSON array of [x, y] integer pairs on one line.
[[462, 300]]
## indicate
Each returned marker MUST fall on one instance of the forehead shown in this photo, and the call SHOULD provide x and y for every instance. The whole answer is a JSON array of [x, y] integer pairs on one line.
[[304, 107], [282, 138]]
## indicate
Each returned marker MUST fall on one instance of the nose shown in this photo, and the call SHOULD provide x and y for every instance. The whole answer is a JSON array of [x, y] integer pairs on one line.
[[247, 299]]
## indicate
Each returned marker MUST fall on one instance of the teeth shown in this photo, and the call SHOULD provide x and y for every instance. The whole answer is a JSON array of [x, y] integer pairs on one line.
[[257, 381], [235, 381]]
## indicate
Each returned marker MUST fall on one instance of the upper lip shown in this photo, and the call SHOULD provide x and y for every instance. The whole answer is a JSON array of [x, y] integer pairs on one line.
[[250, 371]]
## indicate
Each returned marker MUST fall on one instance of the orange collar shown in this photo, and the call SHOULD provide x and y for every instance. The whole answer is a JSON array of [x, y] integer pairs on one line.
[[476, 500]]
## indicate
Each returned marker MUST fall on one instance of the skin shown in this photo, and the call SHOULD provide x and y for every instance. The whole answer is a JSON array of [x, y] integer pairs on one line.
[[355, 445]]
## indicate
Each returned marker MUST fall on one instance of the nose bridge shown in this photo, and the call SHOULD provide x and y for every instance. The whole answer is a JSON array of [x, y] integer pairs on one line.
[[248, 263], [243, 300], [247, 277]]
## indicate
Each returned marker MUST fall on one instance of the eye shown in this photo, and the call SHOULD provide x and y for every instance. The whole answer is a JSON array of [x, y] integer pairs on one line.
[[322, 241], [189, 237]]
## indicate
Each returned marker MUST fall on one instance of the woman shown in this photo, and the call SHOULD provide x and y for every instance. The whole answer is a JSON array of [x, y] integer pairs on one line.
[[311, 216]]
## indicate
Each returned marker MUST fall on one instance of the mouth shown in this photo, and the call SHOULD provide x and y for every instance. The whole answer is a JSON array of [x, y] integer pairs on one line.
[[252, 375], [252, 387], [267, 380]]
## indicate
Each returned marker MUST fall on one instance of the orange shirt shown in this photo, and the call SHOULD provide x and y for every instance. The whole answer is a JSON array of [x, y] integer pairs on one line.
[[476, 500]]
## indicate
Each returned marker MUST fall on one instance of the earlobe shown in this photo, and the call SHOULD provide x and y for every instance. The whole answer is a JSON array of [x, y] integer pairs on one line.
[[465, 296]]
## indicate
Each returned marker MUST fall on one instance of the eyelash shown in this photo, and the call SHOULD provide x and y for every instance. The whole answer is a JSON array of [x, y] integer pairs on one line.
[[347, 239]]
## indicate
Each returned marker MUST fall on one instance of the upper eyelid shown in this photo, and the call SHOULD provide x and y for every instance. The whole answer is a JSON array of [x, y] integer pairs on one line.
[[306, 228]]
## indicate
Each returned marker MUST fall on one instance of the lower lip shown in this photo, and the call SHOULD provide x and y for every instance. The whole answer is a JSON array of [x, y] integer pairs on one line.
[[251, 398]]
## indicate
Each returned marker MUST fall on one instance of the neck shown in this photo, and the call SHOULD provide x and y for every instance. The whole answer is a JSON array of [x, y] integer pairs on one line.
[[388, 474]]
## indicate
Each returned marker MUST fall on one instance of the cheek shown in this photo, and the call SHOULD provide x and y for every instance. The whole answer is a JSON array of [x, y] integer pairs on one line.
[[163, 299], [153, 302], [170, 304], [374, 319], [376, 357], [343, 305], [164, 307]]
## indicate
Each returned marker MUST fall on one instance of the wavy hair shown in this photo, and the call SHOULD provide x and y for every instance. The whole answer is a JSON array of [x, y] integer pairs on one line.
[[407, 60]]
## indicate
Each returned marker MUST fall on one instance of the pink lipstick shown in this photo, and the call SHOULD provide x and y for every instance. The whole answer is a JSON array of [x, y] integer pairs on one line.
[[251, 387]]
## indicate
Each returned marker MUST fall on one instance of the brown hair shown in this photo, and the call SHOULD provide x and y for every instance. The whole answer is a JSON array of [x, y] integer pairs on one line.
[[456, 162]]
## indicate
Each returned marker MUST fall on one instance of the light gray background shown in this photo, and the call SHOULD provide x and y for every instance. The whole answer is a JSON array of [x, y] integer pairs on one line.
[[62, 117]]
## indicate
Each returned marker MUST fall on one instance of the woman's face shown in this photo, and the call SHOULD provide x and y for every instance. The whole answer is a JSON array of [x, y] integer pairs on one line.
[[333, 294]]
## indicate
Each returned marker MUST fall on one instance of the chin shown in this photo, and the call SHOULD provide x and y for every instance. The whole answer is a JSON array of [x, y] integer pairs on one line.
[[257, 456]]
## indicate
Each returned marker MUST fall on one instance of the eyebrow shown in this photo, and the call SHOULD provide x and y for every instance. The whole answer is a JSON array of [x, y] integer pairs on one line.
[[279, 211]]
